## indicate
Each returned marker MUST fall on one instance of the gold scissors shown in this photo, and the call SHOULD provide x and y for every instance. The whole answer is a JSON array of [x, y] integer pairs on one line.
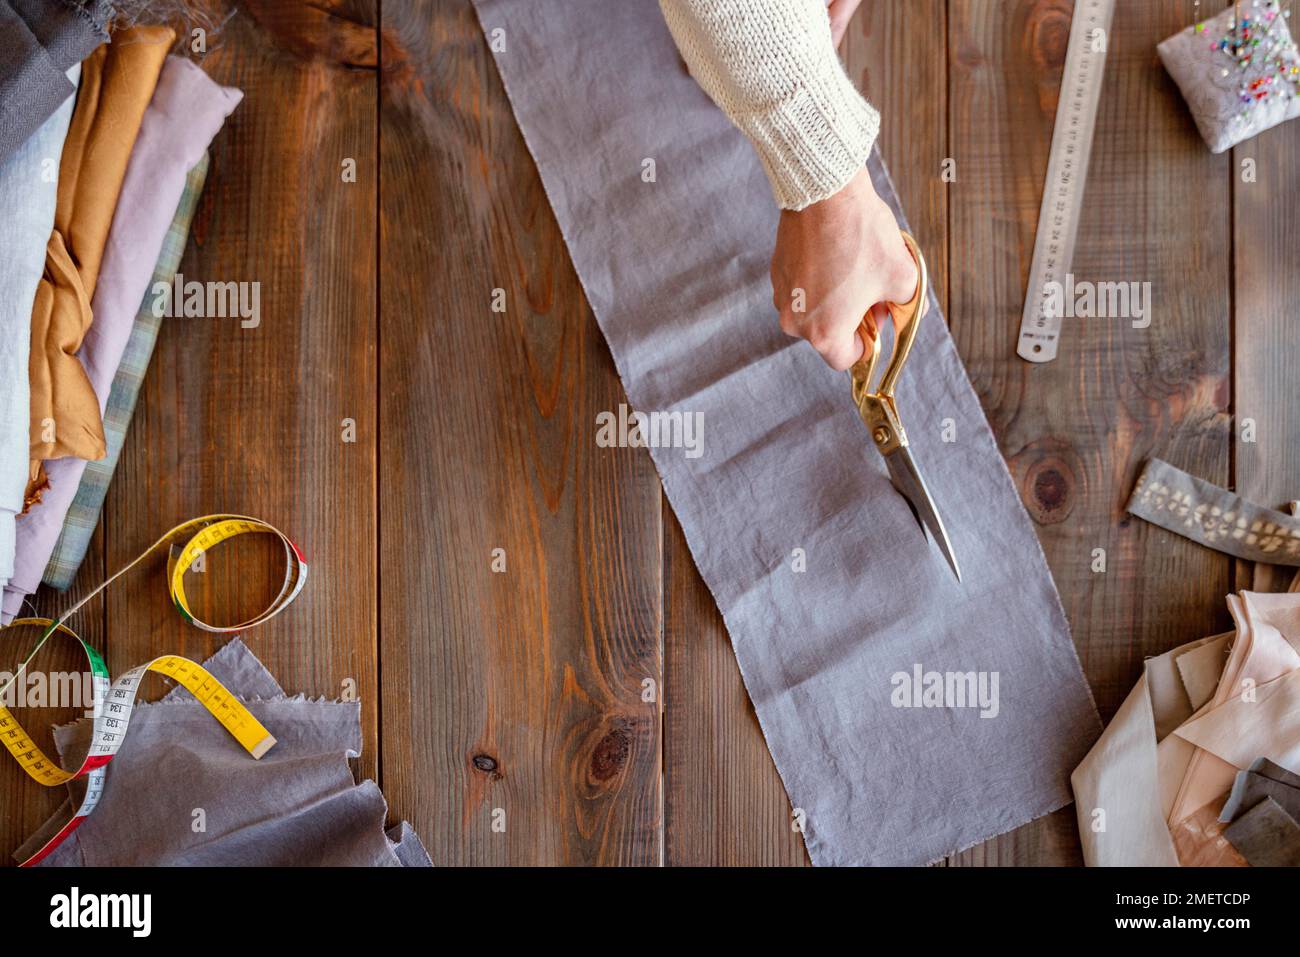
[[880, 411]]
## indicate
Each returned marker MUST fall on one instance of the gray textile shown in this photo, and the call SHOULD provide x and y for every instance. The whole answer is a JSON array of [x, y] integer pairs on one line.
[[1263, 779], [296, 806], [1266, 836], [40, 40], [1263, 808], [676, 271], [1214, 517]]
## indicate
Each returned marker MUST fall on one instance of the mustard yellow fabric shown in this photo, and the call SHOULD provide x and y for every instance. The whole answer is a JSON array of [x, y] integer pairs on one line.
[[117, 82]]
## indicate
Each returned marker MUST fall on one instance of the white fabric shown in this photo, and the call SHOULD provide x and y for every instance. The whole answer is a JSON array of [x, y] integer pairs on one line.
[[29, 183]]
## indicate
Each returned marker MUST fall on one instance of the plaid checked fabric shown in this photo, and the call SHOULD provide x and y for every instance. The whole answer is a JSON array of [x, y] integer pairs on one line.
[[83, 516]]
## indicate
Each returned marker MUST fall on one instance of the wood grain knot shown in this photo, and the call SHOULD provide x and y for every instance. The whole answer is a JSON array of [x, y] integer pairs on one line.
[[322, 29], [485, 763], [1048, 32], [1046, 473], [610, 755], [1051, 489]]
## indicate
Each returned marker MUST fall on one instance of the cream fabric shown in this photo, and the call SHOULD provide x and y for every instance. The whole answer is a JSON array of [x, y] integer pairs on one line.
[[1150, 791]]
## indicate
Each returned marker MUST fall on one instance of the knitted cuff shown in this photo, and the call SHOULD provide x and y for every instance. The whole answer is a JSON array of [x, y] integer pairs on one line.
[[812, 143]]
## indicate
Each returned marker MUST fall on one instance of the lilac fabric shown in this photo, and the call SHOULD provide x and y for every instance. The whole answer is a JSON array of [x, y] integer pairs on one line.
[[186, 112]]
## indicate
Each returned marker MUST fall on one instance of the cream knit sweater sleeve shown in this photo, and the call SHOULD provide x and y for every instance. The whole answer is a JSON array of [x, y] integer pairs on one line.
[[771, 66]]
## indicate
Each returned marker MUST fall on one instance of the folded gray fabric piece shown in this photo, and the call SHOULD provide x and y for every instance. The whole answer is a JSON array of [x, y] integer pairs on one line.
[[1266, 836], [40, 40], [1214, 517], [867, 669], [182, 792], [1263, 779]]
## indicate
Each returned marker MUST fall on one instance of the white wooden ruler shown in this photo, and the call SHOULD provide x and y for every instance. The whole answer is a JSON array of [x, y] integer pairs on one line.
[[1067, 173]]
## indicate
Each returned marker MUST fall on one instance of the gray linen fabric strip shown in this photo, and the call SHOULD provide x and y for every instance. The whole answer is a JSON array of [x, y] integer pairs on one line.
[[40, 40], [1214, 517], [178, 768], [676, 271]]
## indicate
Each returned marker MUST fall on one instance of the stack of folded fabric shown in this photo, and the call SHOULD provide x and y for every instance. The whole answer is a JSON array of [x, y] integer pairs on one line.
[[1158, 787], [1201, 764], [42, 44], [182, 792], [99, 200]]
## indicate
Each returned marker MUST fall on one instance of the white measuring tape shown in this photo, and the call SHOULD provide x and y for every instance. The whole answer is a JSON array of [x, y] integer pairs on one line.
[[114, 701], [1067, 174]]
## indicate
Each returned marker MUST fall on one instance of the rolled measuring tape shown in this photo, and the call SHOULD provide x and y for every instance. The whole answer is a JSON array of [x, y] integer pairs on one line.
[[114, 701]]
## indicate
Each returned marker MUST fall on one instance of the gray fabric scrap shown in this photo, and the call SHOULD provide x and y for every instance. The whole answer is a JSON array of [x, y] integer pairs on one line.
[[675, 266], [1214, 517], [1266, 836], [1263, 779], [236, 667], [181, 791], [408, 847], [40, 40]]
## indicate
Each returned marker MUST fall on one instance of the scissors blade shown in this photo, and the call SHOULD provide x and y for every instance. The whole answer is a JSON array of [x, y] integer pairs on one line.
[[907, 479]]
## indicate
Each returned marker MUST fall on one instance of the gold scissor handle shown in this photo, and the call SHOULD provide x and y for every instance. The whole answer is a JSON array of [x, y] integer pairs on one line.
[[876, 406]]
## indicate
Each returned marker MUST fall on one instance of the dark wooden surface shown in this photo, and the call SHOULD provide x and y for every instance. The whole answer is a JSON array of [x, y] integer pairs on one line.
[[583, 706]]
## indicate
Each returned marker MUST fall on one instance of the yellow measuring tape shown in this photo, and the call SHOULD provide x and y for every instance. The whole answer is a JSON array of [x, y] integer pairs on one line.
[[113, 701]]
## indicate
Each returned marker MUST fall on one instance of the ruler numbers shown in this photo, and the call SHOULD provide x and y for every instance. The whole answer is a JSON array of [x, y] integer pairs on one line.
[[1067, 166]]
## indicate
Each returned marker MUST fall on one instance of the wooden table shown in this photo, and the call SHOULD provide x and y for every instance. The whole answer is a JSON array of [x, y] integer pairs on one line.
[[583, 706]]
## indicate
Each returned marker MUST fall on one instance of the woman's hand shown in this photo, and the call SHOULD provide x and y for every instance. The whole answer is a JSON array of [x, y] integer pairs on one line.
[[834, 261]]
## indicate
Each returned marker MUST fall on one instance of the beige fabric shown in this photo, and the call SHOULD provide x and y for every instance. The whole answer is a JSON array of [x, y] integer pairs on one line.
[[771, 66], [1118, 787], [1160, 772], [1200, 842], [1263, 651]]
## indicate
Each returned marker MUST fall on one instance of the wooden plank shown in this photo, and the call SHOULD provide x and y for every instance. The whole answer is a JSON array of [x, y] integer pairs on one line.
[[511, 698], [1266, 302], [724, 802], [1077, 431], [724, 805], [897, 54], [251, 419]]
